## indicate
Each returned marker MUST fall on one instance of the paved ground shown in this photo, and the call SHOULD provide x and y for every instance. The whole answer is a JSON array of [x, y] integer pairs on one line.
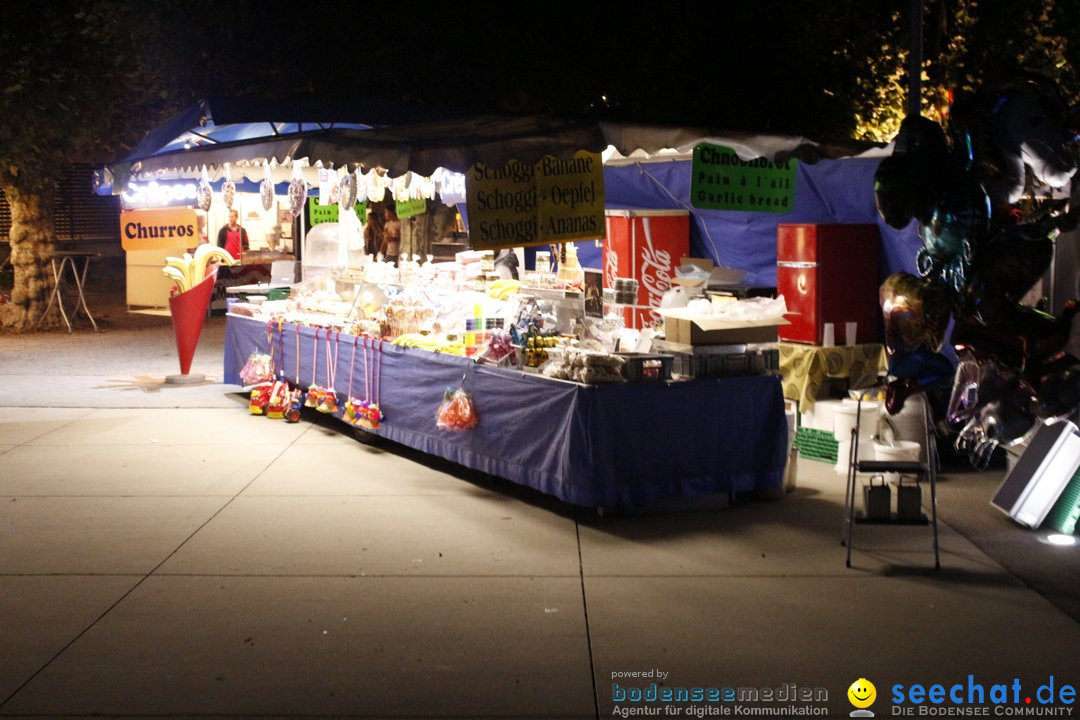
[[164, 554]]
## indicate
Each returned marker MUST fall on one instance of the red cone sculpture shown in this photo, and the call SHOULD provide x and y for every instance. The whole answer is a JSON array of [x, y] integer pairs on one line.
[[188, 314]]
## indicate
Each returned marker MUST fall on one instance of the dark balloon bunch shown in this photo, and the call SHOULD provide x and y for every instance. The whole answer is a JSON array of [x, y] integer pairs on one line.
[[983, 198]]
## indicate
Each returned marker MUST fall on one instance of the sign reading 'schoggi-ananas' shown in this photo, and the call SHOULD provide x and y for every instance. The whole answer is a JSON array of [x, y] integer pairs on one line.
[[159, 229], [554, 201]]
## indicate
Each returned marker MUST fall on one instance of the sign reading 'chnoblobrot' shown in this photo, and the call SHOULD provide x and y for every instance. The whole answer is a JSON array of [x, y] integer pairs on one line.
[[723, 181]]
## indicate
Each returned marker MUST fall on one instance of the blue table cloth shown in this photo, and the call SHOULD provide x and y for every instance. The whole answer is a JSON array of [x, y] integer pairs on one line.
[[603, 446]]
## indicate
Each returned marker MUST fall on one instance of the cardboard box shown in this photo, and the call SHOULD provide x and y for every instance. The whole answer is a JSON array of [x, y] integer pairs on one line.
[[682, 327]]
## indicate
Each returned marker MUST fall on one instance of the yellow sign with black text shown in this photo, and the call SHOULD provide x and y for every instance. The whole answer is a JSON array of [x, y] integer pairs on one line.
[[553, 201], [162, 229]]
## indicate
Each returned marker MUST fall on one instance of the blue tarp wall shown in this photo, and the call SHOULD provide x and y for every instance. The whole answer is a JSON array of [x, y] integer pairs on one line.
[[829, 191]]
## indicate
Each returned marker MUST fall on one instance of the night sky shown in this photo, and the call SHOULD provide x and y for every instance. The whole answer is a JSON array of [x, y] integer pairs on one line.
[[750, 66]]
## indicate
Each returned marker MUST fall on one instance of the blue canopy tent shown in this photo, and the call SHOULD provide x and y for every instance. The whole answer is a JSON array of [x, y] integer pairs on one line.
[[648, 167], [831, 190]]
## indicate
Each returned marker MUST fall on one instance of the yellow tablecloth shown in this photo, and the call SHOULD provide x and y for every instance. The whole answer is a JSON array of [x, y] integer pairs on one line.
[[804, 367]]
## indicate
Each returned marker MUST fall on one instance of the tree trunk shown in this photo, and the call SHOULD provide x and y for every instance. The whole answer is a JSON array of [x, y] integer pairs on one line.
[[32, 238]]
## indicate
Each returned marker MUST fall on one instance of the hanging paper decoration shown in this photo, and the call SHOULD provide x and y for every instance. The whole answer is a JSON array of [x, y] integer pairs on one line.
[[266, 189], [204, 195], [376, 185], [228, 189], [297, 192], [400, 188]]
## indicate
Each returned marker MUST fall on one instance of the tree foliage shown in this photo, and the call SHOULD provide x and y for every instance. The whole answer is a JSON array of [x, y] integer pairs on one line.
[[967, 44]]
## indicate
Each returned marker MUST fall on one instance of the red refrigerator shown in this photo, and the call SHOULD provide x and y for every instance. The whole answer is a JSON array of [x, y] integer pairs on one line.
[[646, 245], [828, 273]]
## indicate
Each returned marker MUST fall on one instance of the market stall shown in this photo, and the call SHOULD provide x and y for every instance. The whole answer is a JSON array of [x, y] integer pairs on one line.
[[607, 446], [565, 413]]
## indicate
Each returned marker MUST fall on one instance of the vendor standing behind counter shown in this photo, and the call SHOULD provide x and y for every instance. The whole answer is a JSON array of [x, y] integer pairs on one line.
[[232, 237], [391, 236]]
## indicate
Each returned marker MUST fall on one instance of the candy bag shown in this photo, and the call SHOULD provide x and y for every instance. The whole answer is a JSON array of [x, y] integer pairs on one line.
[[259, 368], [457, 412]]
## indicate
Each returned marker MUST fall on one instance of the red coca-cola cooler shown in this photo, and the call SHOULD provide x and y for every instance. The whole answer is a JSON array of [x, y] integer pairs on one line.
[[647, 246], [828, 273]]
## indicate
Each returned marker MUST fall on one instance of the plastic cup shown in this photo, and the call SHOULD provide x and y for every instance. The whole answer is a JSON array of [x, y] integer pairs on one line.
[[851, 332]]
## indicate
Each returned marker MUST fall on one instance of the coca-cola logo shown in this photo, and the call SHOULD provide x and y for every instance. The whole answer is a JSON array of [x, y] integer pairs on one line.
[[656, 269]]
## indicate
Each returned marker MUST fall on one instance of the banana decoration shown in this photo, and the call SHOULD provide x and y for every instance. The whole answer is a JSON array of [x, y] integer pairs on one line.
[[188, 271]]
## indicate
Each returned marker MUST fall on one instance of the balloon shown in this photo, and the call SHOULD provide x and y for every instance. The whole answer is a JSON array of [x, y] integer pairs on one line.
[[915, 373], [965, 394], [924, 368], [348, 191], [921, 139], [907, 183], [916, 312], [959, 223], [895, 192], [1015, 131], [297, 195], [982, 251], [998, 407], [228, 193], [1007, 266], [1018, 337]]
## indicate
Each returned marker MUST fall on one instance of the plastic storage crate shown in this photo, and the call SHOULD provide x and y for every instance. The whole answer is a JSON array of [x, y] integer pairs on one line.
[[646, 368], [816, 444], [718, 361]]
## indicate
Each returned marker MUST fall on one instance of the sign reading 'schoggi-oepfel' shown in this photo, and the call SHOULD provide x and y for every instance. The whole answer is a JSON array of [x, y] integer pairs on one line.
[[554, 201]]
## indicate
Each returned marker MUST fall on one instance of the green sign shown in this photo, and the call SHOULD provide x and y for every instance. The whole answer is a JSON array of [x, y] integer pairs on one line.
[[411, 208], [723, 181], [318, 214]]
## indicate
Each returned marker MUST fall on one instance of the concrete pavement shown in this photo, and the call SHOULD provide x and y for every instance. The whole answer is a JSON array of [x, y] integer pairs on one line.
[[164, 554]]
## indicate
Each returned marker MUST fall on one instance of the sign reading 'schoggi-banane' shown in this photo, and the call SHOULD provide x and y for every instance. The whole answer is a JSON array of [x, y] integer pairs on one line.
[[554, 201], [159, 229]]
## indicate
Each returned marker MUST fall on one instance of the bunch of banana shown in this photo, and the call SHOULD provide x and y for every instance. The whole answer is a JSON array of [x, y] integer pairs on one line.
[[431, 343], [502, 289], [452, 348], [417, 340], [190, 270]]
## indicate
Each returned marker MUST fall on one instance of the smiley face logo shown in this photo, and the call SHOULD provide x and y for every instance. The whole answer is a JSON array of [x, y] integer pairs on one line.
[[862, 693]]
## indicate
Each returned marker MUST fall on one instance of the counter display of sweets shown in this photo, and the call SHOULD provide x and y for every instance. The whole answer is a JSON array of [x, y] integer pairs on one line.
[[478, 331]]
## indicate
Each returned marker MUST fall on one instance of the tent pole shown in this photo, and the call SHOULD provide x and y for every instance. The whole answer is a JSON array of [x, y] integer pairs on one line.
[[915, 60]]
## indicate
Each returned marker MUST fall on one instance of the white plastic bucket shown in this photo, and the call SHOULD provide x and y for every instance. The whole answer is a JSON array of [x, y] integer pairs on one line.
[[908, 424], [901, 450], [844, 421]]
